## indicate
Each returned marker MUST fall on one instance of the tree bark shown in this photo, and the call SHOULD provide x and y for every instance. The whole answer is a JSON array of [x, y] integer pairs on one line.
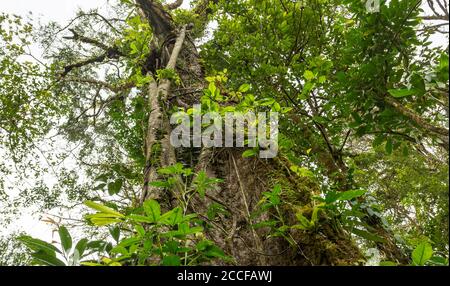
[[245, 179]]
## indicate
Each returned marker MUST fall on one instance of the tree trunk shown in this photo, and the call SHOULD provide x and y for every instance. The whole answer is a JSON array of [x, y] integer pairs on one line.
[[245, 179]]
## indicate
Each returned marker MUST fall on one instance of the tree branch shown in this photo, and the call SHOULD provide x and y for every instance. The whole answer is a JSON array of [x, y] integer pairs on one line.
[[113, 88], [174, 5]]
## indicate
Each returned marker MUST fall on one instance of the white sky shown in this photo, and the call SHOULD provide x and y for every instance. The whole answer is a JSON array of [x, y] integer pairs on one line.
[[56, 10], [60, 11]]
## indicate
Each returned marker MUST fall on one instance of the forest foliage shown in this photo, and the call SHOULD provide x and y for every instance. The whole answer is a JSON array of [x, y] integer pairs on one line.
[[362, 169]]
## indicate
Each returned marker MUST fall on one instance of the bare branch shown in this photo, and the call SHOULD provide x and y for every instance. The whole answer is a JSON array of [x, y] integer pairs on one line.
[[110, 53], [436, 17], [113, 88], [78, 37], [96, 59], [174, 5]]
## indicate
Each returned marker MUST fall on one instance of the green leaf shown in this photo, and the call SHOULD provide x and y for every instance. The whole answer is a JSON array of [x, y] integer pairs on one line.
[[389, 146], [160, 184], [37, 244], [302, 171], [350, 195], [398, 93], [81, 246], [43, 258], [378, 140], [114, 188], [276, 107], [214, 251], [244, 88], [249, 153], [172, 217], [438, 260], [153, 210], [422, 253], [304, 222], [102, 221], [308, 75], [66, 239], [140, 230], [115, 233], [315, 214], [140, 218], [129, 242], [103, 209], [171, 260], [202, 183]]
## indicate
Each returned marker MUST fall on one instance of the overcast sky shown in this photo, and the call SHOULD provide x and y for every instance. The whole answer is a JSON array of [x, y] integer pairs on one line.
[[55, 10]]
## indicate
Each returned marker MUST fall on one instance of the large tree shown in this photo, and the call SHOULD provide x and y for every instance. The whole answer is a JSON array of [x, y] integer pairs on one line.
[[344, 80]]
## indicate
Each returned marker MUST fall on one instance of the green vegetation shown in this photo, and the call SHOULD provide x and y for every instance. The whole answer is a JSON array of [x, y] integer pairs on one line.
[[363, 142]]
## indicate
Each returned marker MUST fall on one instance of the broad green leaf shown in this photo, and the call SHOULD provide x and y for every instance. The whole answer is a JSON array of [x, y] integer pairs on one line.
[[398, 93], [103, 209], [244, 88], [115, 233], [129, 242], [171, 260], [104, 221], [350, 195], [153, 210], [43, 258], [422, 253], [140, 230], [160, 184], [214, 251], [101, 219], [81, 246], [66, 239], [140, 218], [172, 217], [249, 153], [114, 188], [37, 244], [438, 260]]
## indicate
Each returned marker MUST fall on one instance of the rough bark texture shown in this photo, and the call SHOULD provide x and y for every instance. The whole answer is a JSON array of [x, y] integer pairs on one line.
[[245, 181]]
